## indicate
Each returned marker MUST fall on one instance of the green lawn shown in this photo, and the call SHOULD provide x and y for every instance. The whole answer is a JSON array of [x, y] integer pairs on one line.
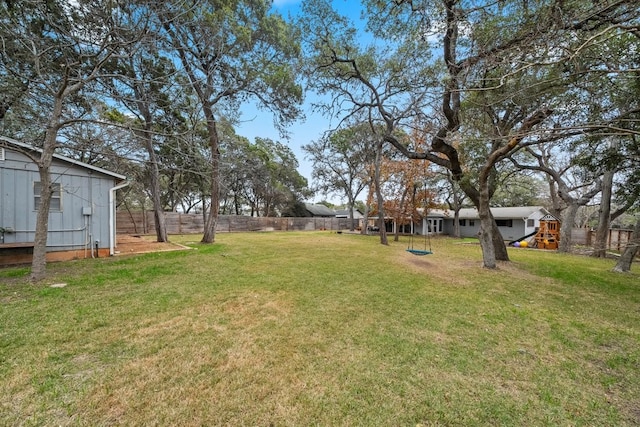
[[324, 329]]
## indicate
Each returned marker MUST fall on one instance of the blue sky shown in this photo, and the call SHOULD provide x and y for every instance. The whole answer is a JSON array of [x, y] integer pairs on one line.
[[256, 123], [285, 4]]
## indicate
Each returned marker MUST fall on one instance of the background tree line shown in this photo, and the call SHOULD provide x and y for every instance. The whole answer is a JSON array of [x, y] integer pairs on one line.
[[448, 101]]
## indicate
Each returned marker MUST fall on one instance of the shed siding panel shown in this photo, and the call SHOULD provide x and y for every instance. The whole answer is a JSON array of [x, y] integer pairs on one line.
[[17, 205], [73, 229], [25, 215], [100, 218], [66, 227]]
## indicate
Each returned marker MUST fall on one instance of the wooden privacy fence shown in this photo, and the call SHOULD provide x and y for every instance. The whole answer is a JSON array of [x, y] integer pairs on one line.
[[617, 238], [180, 223]]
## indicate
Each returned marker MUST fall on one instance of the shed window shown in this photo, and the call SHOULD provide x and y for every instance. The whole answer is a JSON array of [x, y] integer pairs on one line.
[[472, 223], [1, 154], [462, 222], [531, 223], [504, 222], [56, 198]]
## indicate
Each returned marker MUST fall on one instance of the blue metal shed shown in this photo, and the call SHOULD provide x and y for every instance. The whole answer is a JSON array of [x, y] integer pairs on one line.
[[82, 213]]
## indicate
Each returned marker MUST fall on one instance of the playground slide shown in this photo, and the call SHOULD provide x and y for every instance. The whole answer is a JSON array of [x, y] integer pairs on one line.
[[523, 237]]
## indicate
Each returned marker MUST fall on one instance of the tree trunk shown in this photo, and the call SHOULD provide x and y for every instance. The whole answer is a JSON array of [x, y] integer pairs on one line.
[[624, 263], [486, 230], [350, 205], [604, 216], [204, 209], [456, 205], [365, 220], [39, 260], [568, 219], [570, 212], [491, 242], [486, 243], [158, 212], [456, 223], [154, 172], [212, 220], [498, 242], [381, 225], [557, 207]]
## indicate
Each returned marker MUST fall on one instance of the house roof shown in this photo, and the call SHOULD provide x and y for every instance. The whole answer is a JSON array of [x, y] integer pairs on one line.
[[12, 142], [319, 210], [437, 213], [549, 217]]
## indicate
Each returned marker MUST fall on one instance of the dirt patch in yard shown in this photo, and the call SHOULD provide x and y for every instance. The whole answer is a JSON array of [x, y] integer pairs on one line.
[[137, 244]]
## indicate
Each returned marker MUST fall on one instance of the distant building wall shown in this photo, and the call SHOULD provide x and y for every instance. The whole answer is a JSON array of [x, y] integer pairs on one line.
[[510, 229]]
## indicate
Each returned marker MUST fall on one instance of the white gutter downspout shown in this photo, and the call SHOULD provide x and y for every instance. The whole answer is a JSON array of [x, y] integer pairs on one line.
[[112, 217]]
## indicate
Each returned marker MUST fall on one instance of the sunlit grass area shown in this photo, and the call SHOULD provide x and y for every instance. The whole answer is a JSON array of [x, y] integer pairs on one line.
[[320, 328]]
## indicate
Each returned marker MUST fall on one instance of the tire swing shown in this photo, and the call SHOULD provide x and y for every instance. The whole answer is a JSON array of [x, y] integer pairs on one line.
[[427, 239]]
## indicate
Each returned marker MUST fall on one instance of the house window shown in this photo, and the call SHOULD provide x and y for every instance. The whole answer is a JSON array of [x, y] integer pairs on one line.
[[504, 222], [1, 154], [531, 223], [462, 222], [56, 198]]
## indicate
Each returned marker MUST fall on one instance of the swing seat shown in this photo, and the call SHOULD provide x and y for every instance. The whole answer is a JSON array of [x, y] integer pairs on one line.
[[419, 252]]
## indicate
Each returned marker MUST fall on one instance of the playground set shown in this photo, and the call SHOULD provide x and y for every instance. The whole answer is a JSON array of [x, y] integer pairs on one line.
[[546, 236]]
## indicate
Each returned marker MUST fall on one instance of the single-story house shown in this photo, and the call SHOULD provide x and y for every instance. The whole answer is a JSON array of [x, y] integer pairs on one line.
[[513, 222], [82, 213]]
